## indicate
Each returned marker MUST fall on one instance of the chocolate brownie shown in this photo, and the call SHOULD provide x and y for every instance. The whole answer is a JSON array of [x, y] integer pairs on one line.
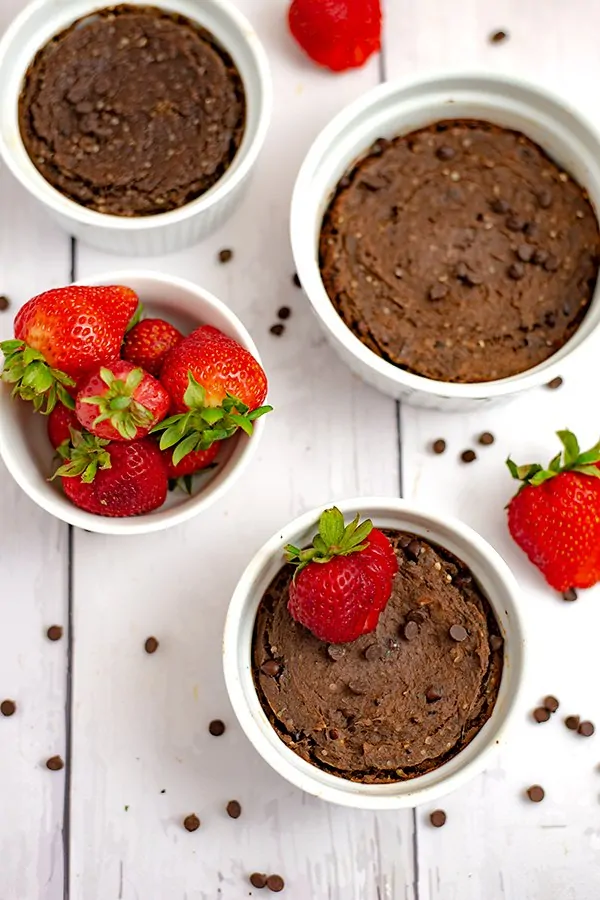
[[460, 252], [132, 111], [395, 703]]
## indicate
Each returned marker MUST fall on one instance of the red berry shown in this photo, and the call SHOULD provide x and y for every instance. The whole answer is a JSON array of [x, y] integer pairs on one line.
[[148, 343], [191, 463], [339, 34], [60, 421], [380, 555]]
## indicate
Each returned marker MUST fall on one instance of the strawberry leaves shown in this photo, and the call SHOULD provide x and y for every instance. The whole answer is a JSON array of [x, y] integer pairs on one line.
[[571, 459], [334, 538], [118, 405], [33, 379], [83, 457]]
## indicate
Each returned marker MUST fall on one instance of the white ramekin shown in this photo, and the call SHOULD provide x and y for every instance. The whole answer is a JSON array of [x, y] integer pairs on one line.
[[28, 455], [496, 581], [400, 108], [144, 235]]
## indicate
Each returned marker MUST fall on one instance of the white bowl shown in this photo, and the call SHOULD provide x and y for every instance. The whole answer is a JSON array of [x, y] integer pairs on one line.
[[400, 108], [28, 455], [144, 235], [497, 583]]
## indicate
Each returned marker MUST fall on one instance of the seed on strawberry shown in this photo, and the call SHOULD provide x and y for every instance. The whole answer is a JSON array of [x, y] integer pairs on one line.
[[121, 402], [343, 581], [148, 343], [555, 516], [339, 34]]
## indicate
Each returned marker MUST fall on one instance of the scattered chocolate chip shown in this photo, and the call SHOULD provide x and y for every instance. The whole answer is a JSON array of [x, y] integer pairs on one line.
[[486, 438], [525, 252], [275, 883], [545, 199], [54, 633], [334, 734], [234, 810], [496, 642], [271, 668], [296, 280], [151, 645], [439, 446], [8, 708], [284, 312], [191, 822], [356, 688], [445, 153], [217, 728], [515, 223], [500, 206], [551, 703], [55, 764], [586, 729], [379, 146], [4, 303], [541, 714], [437, 291], [410, 631], [516, 271], [539, 257], [468, 456], [417, 615], [458, 633], [461, 271], [572, 723], [532, 229], [373, 653], [438, 818], [536, 793], [225, 255], [414, 550], [432, 695], [550, 319], [277, 329], [258, 880], [552, 263], [553, 385], [335, 652]]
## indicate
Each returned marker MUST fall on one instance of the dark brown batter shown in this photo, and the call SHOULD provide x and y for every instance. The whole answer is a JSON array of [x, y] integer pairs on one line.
[[132, 111], [460, 252], [393, 704]]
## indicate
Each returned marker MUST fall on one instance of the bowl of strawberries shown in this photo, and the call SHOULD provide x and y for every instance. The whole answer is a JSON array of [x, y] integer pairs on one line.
[[129, 403]]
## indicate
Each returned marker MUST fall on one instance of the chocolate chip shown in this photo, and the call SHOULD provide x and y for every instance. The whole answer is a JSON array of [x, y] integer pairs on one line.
[[486, 438], [225, 255], [550, 319], [277, 329], [557, 382], [536, 793], [516, 271], [515, 223], [55, 764], [373, 653], [439, 446], [55, 633], [417, 615], [234, 810], [445, 153], [496, 642], [258, 880], [356, 688], [151, 645], [438, 818], [284, 312], [335, 652], [468, 456], [437, 291], [572, 723], [541, 714], [414, 550], [410, 631], [191, 822], [545, 199], [379, 146], [275, 883], [216, 728], [4, 303], [497, 37], [473, 280], [586, 729], [295, 278], [334, 734], [552, 263], [458, 633], [271, 668], [500, 206], [551, 703], [461, 271], [525, 252], [571, 594], [432, 695], [8, 708]]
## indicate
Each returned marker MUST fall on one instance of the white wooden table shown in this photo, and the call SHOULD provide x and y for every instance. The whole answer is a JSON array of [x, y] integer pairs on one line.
[[133, 727]]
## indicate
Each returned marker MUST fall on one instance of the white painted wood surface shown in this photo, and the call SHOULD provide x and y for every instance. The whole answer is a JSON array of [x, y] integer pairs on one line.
[[139, 722]]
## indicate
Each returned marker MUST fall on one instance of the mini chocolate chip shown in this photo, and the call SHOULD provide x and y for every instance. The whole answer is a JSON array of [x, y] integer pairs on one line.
[[496, 642], [545, 199], [4, 303], [551, 703], [536, 793], [438, 818], [461, 271], [432, 695], [468, 456], [437, 291], [500, 206], [586, 729], [472, 279], [356, 688], [8, 708], [541, 714], [191, 822], [284, 312], [410, 631], [439, 446], [571, 594], [445, 153], [379, 146], [336, 652], [539, 257], [334, 734], [404, 540], [217, 728], [295, 278], [532, 229], [258, 880], [458, 633], [414, 550], [572, 723], [516, 271], [271, 668], [417, 615], [552, 263], [55, 633], [151, 645], [373, 653], [550, 319], [277, 329], [275, 883], [486, 438], [515, 223], [55, 764], [525, 252], [225, 255], [234, 809]]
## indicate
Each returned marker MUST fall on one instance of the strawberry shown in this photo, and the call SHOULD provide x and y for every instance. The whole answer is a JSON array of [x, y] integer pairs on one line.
[[343, 581], [148, 343], [120, 402], [60, 422], [192, 463], [60, 335], [338, 34], [216, 387], [114, 479], [555, 516]]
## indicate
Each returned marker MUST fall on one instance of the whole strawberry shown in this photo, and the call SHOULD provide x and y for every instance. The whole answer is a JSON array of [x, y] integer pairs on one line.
[[338, 34], [114, 479], [60, 422], [148, 343], [216, 387], [183, 473], [343, 581], [60, 335], [120, 402], [555, 516]]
